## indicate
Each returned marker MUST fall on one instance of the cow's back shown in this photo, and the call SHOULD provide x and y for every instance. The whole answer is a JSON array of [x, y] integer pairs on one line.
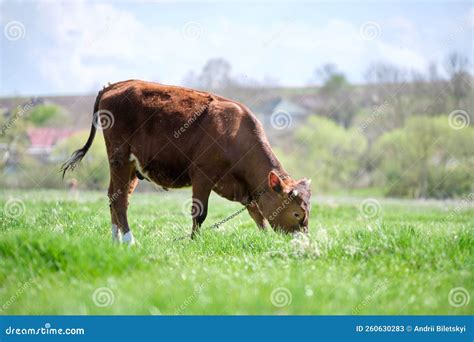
[[171, 130], [136, 102]]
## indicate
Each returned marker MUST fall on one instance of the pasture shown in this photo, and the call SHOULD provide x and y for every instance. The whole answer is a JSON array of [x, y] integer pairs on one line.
[[403, 257]]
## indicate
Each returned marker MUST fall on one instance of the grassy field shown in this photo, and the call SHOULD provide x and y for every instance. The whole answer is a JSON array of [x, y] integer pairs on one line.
[[56, 257]]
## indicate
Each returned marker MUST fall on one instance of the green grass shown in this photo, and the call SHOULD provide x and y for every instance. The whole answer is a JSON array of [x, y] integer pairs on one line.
[[59, 252]]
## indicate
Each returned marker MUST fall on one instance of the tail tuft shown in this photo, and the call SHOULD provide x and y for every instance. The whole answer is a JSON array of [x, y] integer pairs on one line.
[[77, 156], [73, 161]]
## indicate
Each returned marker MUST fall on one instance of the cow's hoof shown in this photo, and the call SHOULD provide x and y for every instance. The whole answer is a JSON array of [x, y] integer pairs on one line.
[[128, 239]]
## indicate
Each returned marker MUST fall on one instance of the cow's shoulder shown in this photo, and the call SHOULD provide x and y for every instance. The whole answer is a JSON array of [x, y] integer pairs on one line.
[[234, 108], [233, 117]]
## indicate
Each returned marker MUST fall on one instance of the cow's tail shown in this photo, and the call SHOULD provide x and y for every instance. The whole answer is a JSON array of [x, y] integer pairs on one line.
[[77, 156]]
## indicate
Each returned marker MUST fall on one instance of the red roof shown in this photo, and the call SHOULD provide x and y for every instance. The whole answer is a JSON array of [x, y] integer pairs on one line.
[[45, 137]]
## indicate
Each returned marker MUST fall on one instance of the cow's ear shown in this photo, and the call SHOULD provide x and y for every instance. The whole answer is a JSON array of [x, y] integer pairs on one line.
[[274, 182], [305, 182]]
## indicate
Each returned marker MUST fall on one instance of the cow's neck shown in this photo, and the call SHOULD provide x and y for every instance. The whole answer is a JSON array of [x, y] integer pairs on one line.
[[263, 161]]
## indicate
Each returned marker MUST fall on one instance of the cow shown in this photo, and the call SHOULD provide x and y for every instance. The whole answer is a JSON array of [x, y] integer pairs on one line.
[[177, 137]]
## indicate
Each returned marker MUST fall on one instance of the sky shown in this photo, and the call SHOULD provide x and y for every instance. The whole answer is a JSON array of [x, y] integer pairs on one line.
[[75, 47]]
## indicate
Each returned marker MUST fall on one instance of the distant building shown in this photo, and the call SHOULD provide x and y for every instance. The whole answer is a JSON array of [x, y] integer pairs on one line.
[[44, 139], [280, 111]]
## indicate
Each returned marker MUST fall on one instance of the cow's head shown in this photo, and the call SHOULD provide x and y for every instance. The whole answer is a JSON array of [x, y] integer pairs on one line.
[[287, 203]]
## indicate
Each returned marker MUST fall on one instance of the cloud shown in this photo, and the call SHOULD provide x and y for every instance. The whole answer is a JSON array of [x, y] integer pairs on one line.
[[82, 45], [87, 44]]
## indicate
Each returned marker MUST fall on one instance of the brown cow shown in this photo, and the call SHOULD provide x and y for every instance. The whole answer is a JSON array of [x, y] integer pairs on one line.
[[177, 137]]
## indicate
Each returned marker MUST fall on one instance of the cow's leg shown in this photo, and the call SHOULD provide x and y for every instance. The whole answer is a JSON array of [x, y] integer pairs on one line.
[[201, 191], [131, 187], [124, 180], [257, 215], [115, 226]]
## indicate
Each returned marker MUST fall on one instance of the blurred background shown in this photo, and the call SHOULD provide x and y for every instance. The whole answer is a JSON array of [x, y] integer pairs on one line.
[[370, 98]]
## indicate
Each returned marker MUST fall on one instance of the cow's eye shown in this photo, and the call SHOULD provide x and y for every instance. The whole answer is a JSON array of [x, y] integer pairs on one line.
[[296, 215]]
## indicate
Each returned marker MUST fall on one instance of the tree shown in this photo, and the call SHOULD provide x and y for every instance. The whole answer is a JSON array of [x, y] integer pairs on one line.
[[437, 97], [460, 79], [388, 84], [426, 158], [337, 93], [214, 75], [326, 152], [47, 115]]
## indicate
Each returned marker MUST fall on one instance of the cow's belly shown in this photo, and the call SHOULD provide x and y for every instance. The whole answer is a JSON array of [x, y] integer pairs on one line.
[[169, 175]]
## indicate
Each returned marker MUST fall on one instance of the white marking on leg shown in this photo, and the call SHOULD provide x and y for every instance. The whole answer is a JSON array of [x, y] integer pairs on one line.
[[128, 238], [115, 233]]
